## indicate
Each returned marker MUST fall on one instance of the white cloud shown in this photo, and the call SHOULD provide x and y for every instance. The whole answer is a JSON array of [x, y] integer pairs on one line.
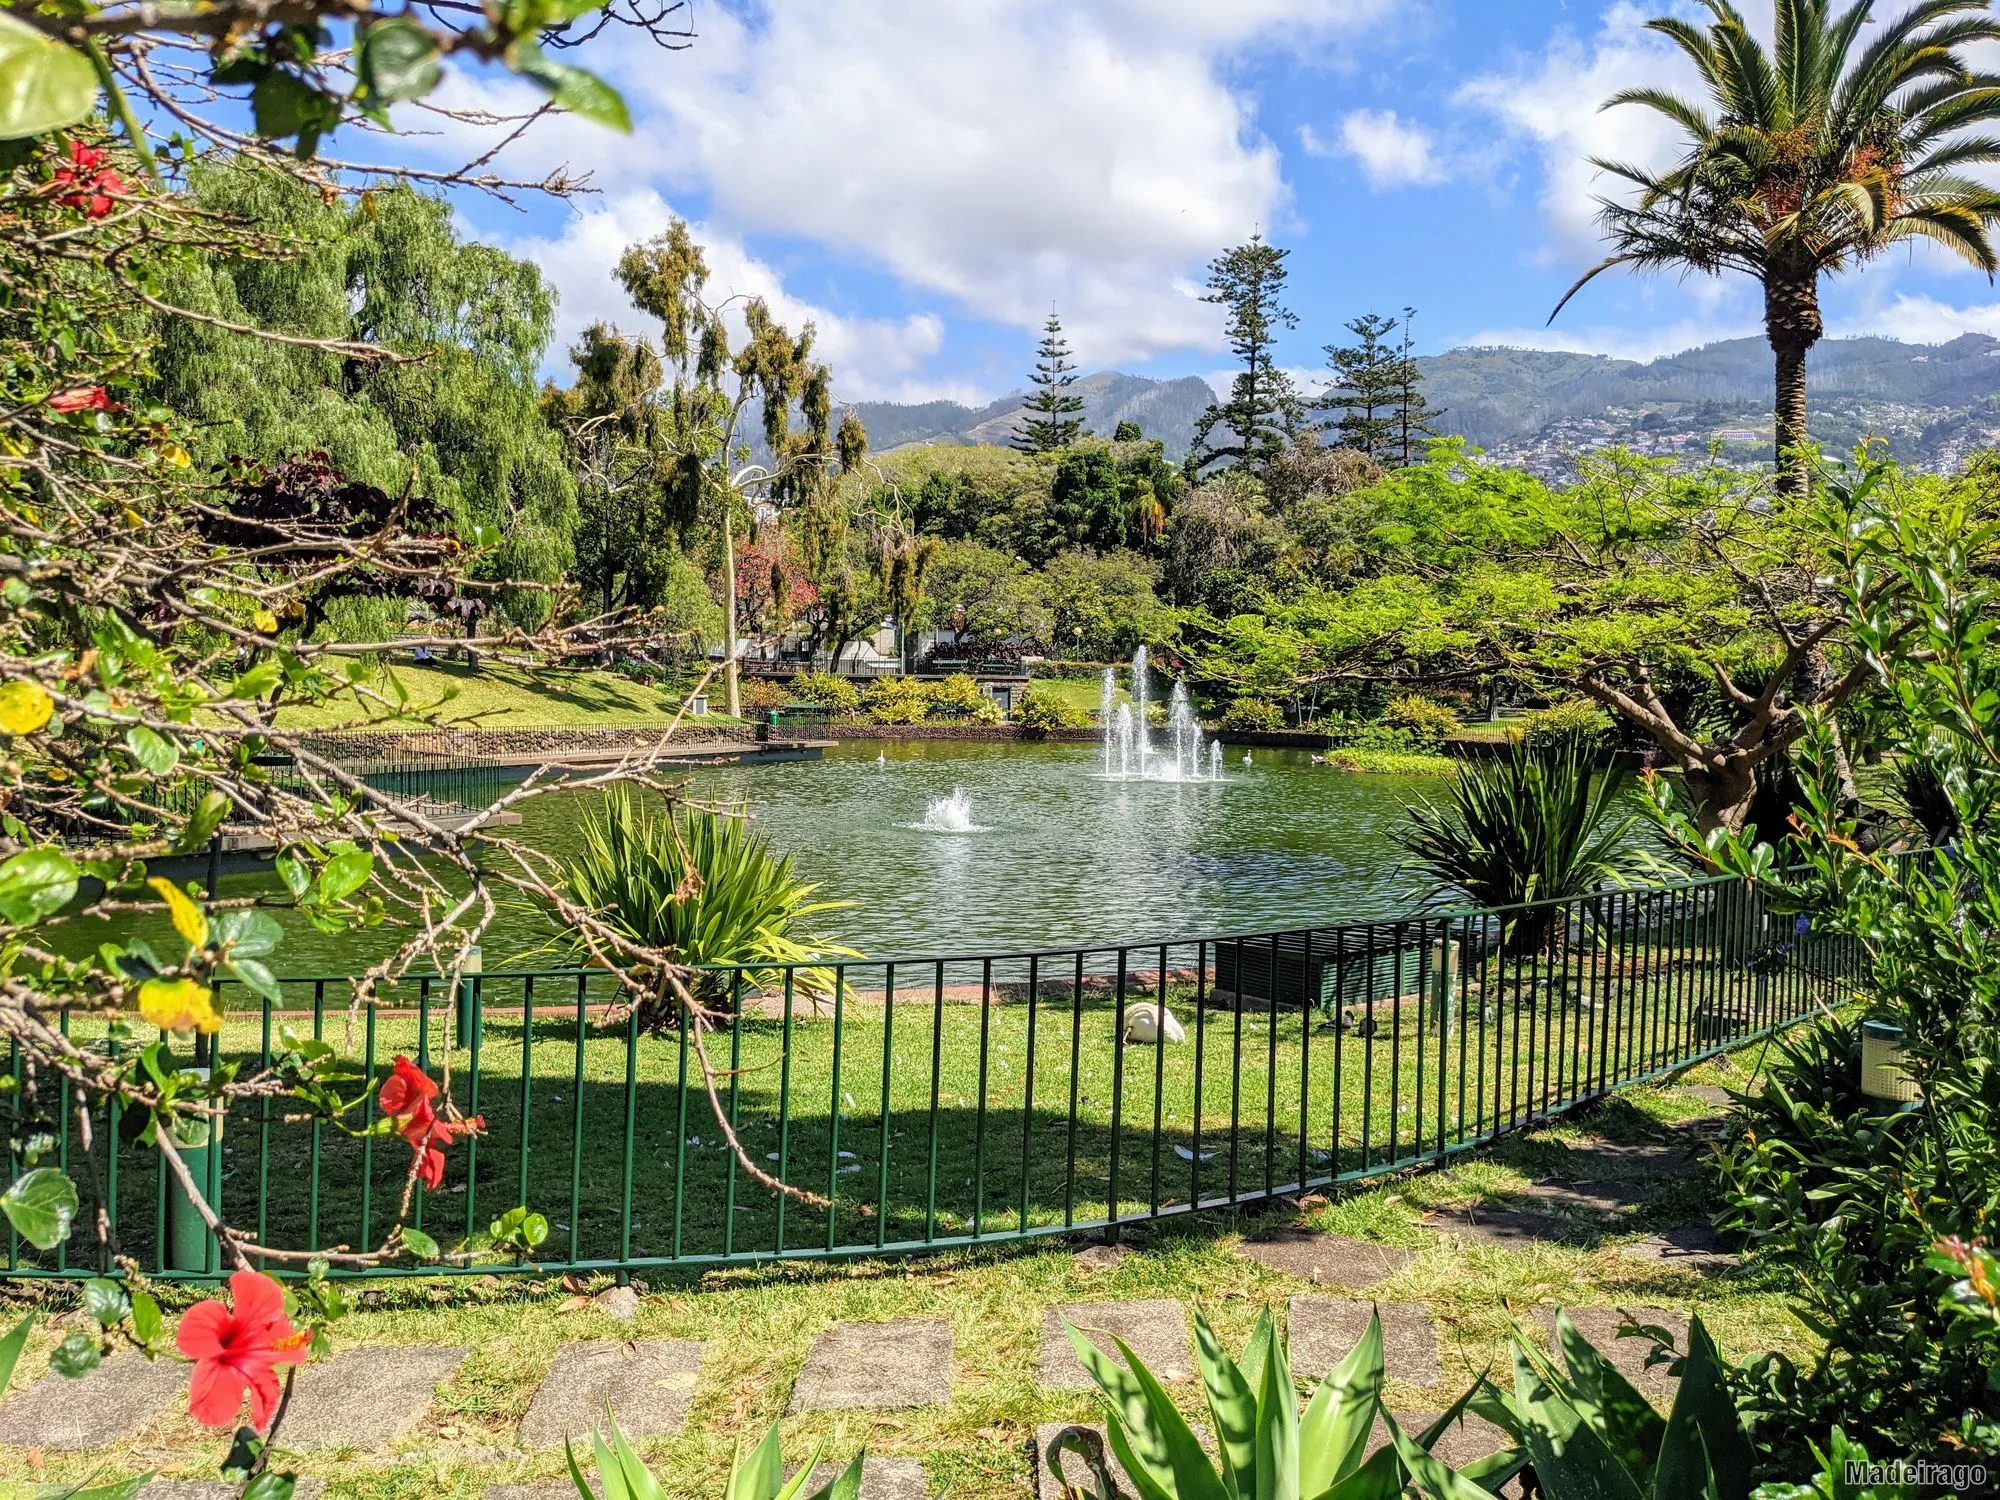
[[1553, 103], [872, 358], [1393, 152], [1922, 320], [990, 156]]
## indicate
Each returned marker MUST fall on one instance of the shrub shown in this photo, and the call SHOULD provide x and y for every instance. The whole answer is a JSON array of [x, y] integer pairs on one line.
[[1572, 719], [1039, 710], [1252, 716], [1424, 719], [759, 695], [955, 697], [827, 690], [701, 885], [1391, 762], [1534, 825], [896, 700]]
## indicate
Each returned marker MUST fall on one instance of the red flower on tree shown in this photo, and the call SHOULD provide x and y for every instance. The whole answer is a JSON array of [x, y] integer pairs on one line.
[[237, 1349], [406, 1098], [81, 398], [89, 180]]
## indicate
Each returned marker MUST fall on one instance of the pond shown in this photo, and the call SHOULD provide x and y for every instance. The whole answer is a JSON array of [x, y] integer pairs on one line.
[[1039, 851]]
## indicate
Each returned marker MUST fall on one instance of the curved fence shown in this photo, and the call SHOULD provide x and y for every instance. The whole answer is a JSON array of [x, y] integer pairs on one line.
[[968, 1100]]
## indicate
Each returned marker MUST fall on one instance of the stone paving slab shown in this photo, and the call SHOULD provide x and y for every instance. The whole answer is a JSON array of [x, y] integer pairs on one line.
[[881, 1478], [1597, 1159], [1708, 1093], [1591, 1198], [1155, 1329], [1690, 1247], [1507, 1227], [1600, 1325], [1330, 1259], [367, 1398], [1322, 1331], [222, 1489], [647, 1386], [549, 1489], [880, 1365], [1470, 1437], [117, 1400]]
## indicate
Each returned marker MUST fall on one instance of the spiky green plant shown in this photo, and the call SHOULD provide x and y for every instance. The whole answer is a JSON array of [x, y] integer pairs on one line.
[[757, 1475], [704, 888], [1539, 823]]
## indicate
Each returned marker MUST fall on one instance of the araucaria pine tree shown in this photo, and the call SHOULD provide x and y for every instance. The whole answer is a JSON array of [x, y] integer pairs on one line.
[[1263, 412], [1052, 423], [1367, 387]]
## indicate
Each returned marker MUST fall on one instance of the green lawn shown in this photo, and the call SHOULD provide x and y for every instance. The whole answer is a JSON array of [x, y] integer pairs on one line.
[[499, 696]]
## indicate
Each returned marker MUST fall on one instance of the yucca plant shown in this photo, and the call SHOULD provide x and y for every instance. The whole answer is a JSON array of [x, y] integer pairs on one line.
[[1539, 823], [1266, 1449], [757, 1475], [703, 887]]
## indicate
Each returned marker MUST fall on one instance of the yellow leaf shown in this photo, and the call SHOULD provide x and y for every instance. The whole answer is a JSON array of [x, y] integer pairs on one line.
[[179, 1005], [265, 621], [176, 455], [189, 920], [133, 520], [24, 706]]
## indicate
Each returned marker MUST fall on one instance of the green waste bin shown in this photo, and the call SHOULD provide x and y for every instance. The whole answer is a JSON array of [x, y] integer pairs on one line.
[[198, 1142], [466, 1019]]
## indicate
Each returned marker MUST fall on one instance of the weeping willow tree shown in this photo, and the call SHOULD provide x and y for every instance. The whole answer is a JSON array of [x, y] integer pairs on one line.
[[460, 426]]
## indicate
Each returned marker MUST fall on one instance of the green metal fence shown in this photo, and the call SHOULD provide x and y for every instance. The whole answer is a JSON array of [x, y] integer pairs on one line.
[[967, 1100]]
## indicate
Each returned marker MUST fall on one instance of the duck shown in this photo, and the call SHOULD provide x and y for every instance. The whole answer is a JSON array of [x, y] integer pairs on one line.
[[1319, 760]]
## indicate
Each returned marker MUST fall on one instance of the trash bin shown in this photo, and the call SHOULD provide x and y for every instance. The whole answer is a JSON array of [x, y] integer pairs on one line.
[[198, 1143]]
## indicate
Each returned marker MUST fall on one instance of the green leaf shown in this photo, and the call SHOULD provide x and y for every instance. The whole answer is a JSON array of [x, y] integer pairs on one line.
[[36, 883], [11, 1346], [1151, 1438], [123, 1489], [579, 92], [76, 1356], [146, 1320], [1232, 1403], [345, 874], [845, 1486], [256, 682], [1277, 1436], [1569, 1457], [270, 1486], [419, 1244], [44, 85], [247, 934], [1705, 1450], [255, 976], [40, 1205], [105, 1300], [1433, 1478], [152, 750], [1333, 1433], [1625, 1419], [398, 60], [200, 828]]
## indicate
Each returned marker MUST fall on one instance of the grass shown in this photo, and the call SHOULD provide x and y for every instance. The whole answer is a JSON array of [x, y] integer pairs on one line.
[[758, 1325], [500, 696]]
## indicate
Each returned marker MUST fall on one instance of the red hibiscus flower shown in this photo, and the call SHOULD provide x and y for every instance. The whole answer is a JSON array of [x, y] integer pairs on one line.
[[81, 398], [90, 181], [237, 1349], [406, 1088], [405, 1097]]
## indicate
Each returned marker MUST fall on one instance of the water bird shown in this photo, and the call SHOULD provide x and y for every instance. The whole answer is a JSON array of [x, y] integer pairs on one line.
[[1246, 757], [881, 757], [1149, 1024], [1319, 760]]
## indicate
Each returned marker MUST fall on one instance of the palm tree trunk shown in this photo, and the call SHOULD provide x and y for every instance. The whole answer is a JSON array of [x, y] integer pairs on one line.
[[1792, 324]]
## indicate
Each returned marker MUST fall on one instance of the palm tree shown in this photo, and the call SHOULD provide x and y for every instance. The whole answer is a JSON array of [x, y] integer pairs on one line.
[[1819, 153]]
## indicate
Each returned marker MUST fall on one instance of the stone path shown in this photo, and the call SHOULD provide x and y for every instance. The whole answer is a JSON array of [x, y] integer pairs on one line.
[[116, 1401], [646, 1387], [1156, 1331], [1331, 1259], [375, 1398], [883, 1365], [1324, 1330]]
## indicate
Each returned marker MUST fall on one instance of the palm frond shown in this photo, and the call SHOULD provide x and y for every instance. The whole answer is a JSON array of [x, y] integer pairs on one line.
[[1681, 111], [1962, 233], [1694, 42]]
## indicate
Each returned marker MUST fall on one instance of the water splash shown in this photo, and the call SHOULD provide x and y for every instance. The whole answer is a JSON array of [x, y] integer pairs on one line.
[[1128, 749], [951, 814]]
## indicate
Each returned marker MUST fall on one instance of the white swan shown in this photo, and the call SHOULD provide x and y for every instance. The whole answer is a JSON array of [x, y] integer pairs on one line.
[[1149, 1023], [1246, 757]]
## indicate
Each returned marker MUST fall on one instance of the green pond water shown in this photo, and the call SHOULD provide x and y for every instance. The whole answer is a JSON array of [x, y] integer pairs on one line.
[[1054, 854]]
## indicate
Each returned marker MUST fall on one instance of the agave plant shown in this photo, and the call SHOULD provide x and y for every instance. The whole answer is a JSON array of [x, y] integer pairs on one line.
[[1266, 1449], [1540, 823], [1584, 1431], [757, 1475], [703, 887]]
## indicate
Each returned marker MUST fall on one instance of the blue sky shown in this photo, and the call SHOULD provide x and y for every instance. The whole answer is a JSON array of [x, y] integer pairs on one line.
[[927, 178]]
